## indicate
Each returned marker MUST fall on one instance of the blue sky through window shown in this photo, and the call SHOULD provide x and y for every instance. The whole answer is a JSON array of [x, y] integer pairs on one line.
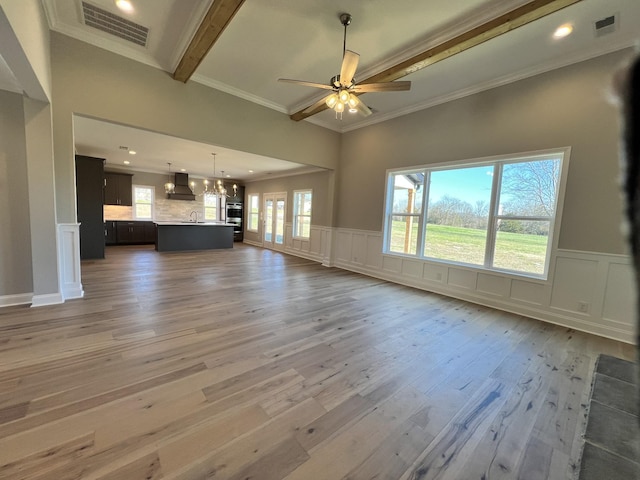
[[466, 184]]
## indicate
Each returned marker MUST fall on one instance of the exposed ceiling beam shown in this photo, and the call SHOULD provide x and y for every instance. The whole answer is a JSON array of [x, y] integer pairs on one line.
[[215, 21], [523, 15]]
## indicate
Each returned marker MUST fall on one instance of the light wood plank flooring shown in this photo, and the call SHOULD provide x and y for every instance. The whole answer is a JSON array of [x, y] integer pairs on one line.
[[251, 364]]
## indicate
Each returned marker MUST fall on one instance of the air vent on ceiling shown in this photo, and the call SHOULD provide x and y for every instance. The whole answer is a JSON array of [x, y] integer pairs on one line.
[[115, 25], [606, 25]]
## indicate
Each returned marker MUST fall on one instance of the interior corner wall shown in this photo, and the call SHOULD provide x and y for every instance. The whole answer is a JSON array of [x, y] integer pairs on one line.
[[28, 58], [93, 82], [564, 107], [42, 216], [15, 247]]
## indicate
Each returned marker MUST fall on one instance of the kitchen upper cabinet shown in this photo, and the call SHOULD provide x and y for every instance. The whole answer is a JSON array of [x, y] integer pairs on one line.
[[117, 189]]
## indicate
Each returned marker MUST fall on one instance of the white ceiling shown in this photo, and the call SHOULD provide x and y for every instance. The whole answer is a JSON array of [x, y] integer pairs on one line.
[[302, 39]]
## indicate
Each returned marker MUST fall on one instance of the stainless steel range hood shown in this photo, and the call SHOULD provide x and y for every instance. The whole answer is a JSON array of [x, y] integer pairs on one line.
[[182, 190]]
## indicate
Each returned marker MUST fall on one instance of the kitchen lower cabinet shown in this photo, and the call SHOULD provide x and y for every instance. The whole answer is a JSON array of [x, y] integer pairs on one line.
[[110, 237], [130, 232], [122, 232]]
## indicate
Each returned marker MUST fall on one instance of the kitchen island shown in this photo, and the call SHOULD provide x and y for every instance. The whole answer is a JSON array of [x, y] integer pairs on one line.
[[181, 236]]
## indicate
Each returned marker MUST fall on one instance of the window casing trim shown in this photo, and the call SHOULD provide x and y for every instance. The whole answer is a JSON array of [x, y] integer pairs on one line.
[[498, 160], [296, 214], [250, 213]]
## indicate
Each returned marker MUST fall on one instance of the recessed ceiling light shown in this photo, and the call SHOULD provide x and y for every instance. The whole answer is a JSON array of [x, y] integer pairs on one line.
[[132, 152], [228, 176], [183, 169], [563, 30], [250, 171], [124, 5], [126, 162]]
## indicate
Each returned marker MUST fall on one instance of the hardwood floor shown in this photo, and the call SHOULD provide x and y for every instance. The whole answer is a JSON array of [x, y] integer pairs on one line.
[[251, 364]]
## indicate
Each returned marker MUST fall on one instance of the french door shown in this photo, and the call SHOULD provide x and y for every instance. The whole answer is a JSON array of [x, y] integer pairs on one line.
[[275, 205]]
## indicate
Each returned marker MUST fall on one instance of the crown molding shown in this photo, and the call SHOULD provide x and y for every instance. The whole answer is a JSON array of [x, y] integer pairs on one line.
[[236, 92], [498, 82]]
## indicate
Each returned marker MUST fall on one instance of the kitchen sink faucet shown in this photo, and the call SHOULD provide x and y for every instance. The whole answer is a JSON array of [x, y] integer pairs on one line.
[[191, 216]]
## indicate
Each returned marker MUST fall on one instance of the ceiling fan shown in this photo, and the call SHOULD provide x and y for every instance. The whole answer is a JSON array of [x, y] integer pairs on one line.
[[344, 89]]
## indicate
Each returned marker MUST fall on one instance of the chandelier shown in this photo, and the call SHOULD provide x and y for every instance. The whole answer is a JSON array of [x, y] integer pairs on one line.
[[218, 186], [169, 187]]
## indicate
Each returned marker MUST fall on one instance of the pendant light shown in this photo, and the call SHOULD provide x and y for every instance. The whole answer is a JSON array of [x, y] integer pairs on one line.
[[169, 187], [218, 186]]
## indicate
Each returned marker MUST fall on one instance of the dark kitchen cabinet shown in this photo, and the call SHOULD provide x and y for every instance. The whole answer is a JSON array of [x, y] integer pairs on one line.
[[89, 183], [110, 237], [130, 232], [238, 197], [117, 189], [149, 232], [125, 232]]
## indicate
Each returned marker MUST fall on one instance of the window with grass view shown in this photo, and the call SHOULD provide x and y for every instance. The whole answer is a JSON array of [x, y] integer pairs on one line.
[[143, 202], [210, 207], [302, 213], [253, 213], [492, 214]]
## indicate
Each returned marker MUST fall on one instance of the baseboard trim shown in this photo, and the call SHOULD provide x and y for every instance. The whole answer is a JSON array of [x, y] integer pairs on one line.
[[19, 299], [47, 299], [543, 315]]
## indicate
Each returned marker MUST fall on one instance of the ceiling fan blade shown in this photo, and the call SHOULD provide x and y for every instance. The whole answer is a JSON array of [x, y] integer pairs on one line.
[[306, 84], [382, 87], [363, 109], [348, 69], [319, 103]]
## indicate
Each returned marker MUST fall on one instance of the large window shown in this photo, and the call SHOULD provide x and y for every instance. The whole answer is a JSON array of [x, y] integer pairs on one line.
[[253, 213], [497, 214], [143, 197], [301, 213]]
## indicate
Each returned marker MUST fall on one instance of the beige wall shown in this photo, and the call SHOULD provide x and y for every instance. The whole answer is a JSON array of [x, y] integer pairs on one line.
[[565, 107], [93, 82], [321, 183], [15, 246]]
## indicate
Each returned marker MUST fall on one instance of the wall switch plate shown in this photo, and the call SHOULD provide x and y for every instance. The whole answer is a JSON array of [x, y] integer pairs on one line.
[[583, 307]]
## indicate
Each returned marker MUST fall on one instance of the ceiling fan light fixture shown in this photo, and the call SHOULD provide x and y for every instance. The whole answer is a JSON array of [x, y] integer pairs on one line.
[[344, 96], [332, 100], [353, 101], [339, 108]]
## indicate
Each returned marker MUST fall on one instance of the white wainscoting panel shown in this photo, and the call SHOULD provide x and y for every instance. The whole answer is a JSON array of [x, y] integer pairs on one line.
[[493, 285], [592, 292], [317, 247], [69, 260], [619, 289], [462, 278], [527, 292]]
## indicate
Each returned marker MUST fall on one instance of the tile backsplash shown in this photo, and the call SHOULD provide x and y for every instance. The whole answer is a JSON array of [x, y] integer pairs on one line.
[[117, 212], [165, 210], [177, 210]]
